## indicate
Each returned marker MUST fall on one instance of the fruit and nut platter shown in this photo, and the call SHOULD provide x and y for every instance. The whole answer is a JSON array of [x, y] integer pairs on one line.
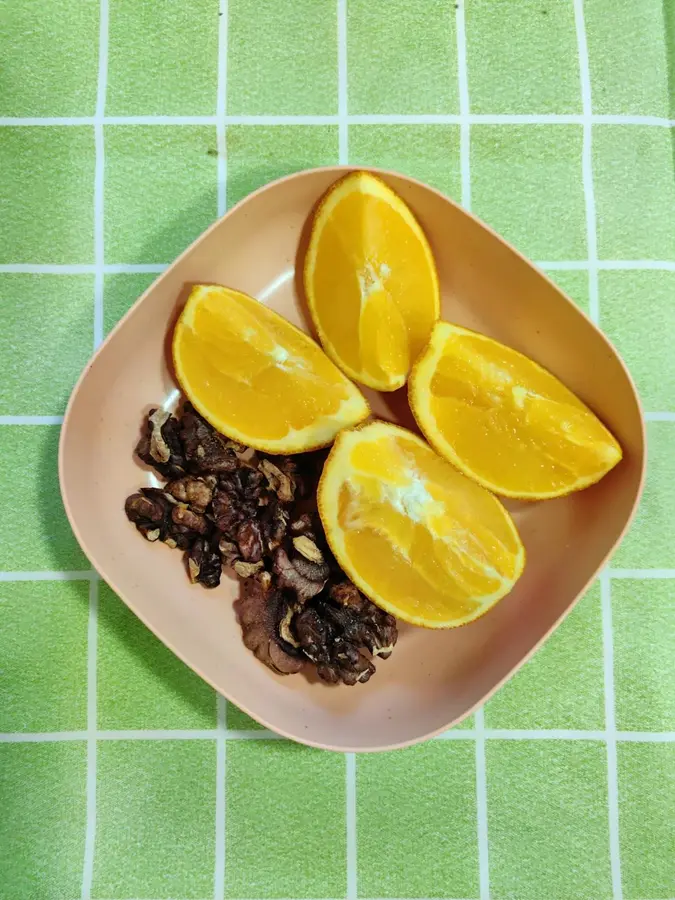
[[273, 471]]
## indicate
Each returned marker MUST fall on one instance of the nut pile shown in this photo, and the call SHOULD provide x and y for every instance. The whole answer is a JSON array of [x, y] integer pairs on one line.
[[226, 505]]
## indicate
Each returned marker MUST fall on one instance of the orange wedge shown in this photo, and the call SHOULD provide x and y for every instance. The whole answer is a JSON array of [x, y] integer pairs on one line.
[[505, 421], [420, 539], [370, 281], [258, 379]]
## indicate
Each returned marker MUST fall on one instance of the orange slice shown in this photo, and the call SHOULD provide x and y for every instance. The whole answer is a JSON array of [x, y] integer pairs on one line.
[[258, 379], [370, 281], [420, 539], [505, 421]]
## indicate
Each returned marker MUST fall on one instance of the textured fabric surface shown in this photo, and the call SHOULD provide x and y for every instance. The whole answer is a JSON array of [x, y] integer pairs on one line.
[[127, 127]]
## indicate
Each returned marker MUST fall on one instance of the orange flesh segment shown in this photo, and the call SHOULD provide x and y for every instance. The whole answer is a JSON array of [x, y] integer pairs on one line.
[[504, 420], [418, 537], [257, 378], [370, 281]]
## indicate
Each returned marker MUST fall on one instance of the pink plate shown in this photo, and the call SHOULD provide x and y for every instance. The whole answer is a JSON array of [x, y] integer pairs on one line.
[[433, 679]]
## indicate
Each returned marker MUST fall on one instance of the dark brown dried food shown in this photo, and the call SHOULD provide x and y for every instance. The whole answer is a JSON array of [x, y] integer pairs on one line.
[[336, 628], [159, 517], [275, 527], [250, 482], [226, 505], [197, 492], [336, 659], [363, 622], [204, 563], [237, 499], [307, 547], [281, 482], [228, 550], [160, 445], [246, 569], [182, 515], [250, 541], [302, 525], [304, 578], [260, 610], [205, 449], [225, 510], [150, 511], [180, 537]]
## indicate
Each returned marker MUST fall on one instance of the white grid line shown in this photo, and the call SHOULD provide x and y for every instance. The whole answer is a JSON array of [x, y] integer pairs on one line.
[[82, 269], [92, 626], [482, 807], [41, 737], [86, 575], [261, 734], [610, 726], [221, 702], [587, 161], [627, 264], [351, 860], [607, 265], [99, 172], [161, 120], [355, 119], [31, 420], [544, 734], [221, 798], [158, 734], [343, 117], [563, 265], [464, 117], [48, 575], [135, 268], [351, 826], [90, 833], [46, 269], [639, 574], [594, 309], [221, 106], [659, 416], [99, 190], [465, 174]]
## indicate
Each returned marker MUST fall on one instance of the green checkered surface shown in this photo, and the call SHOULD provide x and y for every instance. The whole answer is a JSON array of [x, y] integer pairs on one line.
[[126, 128]]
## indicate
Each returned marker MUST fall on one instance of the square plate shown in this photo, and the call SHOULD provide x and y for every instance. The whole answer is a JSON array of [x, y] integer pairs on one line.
[[433, 679]]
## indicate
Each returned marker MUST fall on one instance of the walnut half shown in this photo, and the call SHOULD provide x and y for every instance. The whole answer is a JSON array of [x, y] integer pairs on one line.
[[259, 608]]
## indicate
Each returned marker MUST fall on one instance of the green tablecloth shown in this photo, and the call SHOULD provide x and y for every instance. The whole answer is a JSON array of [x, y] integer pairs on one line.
[[126, 127]]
